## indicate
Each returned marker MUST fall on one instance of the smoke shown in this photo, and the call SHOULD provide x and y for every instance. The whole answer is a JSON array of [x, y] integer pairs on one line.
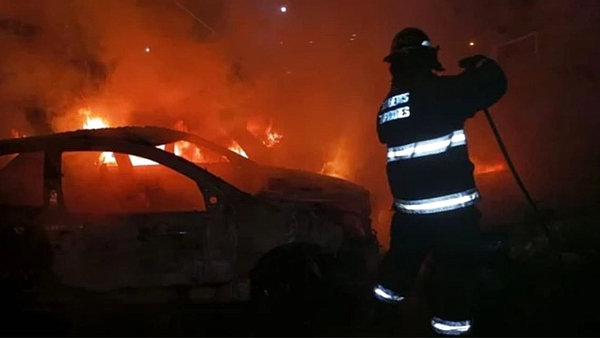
[[549, 116], [133, 61]]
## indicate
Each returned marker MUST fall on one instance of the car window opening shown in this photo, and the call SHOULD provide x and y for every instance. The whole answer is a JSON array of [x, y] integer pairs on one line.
[[93, 186]]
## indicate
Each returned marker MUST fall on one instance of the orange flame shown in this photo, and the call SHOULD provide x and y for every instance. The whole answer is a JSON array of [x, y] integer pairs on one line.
[[92, 122], [271, 137], [235, 147], [267, 135], [182, 148]]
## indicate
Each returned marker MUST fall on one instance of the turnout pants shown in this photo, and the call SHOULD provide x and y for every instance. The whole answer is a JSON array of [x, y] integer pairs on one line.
[[453, 239]]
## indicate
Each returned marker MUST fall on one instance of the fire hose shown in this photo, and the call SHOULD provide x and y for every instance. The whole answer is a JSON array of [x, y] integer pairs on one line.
[[517, 178]]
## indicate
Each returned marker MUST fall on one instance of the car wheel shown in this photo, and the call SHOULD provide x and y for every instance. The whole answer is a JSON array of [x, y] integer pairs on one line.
[[22, 275], [289, 280]]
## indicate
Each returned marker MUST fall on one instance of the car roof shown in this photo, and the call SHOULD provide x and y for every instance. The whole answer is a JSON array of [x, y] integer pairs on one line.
[[148, 135]]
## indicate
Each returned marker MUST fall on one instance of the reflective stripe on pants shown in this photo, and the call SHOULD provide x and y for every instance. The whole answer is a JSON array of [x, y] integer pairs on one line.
[[386, 295], [453, 240], [450, 327]]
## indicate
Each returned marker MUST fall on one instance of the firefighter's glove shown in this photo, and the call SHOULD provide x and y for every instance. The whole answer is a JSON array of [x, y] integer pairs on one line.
[[472, 62]]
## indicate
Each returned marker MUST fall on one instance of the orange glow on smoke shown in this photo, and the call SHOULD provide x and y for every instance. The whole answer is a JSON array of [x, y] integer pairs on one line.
[[179, 125], [482, 168], [338, 166], [16, 134], [335, 169]]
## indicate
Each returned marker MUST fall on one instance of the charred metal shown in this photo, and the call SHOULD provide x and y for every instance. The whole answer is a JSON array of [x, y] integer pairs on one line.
[[155, 238]]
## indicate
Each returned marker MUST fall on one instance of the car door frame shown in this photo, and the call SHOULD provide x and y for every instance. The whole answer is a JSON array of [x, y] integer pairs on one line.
[[37, 264], [212, 190], [214, 196]]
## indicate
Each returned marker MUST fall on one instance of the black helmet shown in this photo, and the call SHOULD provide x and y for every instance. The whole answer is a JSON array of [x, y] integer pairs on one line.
[[413, 39]]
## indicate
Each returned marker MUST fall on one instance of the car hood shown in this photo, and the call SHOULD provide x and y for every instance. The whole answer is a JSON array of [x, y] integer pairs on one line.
[[297, 185]]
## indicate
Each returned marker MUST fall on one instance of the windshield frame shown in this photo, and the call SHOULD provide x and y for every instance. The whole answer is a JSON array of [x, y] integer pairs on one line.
[[233, 157], [238, 162]]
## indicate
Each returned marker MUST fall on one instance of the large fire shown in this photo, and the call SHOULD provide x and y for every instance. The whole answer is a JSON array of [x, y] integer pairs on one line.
[[180, 148]]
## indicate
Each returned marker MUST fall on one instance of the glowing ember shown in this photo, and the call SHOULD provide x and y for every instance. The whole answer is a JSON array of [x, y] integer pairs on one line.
[[235, 147], [16, 134]]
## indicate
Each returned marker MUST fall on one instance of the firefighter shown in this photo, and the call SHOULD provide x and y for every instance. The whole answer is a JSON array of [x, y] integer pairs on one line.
[[421, 121]]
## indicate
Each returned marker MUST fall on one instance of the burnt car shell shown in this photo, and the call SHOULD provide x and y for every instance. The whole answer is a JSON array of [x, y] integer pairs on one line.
[[311, 187], [215, 248]]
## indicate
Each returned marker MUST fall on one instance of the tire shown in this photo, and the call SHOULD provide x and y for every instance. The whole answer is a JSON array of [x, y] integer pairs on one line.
[[290, 281], [26, 264]]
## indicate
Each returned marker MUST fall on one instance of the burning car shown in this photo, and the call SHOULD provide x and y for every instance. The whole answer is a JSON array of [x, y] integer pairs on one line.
[[148, 207]]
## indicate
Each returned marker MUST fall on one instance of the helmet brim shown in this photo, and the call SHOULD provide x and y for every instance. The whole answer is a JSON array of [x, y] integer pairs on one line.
[[390, 56]]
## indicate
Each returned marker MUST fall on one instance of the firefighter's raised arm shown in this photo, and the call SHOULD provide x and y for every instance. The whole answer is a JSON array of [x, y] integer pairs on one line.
[[481, 84]]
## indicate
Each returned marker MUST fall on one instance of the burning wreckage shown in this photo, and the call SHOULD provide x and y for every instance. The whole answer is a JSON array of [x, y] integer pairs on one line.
[[127, 208]]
